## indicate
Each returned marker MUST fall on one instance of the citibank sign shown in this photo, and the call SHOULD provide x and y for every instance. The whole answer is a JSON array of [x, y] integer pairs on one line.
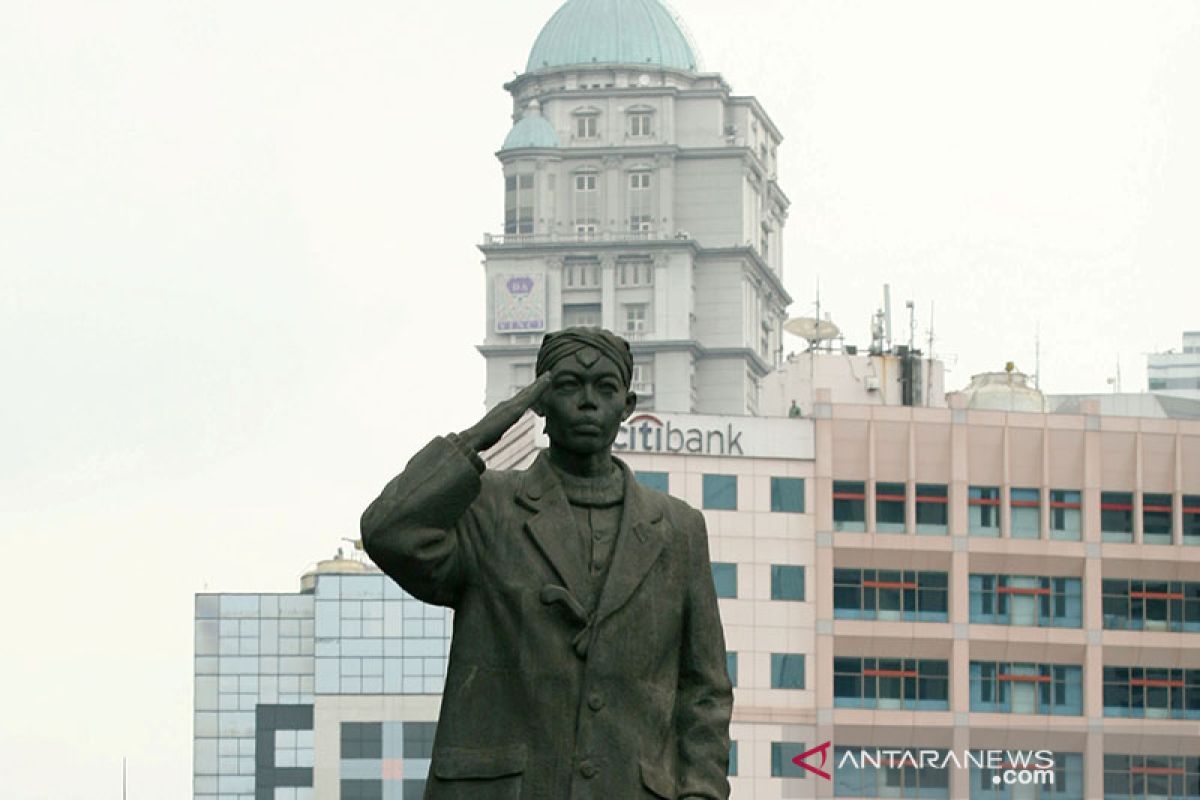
[[694, 434]]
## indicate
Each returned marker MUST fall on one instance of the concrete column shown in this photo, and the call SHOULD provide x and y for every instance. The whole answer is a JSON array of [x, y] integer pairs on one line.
[[608, 293]]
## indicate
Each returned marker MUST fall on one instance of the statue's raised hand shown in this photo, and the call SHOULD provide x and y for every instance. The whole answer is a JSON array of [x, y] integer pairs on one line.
[[485, 433]]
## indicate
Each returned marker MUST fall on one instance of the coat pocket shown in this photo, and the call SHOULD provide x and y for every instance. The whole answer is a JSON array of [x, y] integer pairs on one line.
[[657, 781], [466, 763]]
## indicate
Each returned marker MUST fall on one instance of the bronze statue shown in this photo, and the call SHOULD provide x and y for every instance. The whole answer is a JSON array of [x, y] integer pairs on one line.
[[588, 659]]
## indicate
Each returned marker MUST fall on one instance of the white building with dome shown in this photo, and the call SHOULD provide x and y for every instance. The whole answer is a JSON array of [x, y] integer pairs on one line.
[[641, 195]]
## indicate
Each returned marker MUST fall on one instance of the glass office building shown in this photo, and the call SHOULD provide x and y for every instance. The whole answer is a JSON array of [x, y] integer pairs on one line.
[[330, 692]]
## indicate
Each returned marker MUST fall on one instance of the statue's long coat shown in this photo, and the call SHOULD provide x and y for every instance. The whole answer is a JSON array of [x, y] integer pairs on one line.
[[544, 700]]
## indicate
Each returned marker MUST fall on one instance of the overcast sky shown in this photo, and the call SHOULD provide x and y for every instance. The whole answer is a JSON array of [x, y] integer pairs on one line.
[[239, 282]]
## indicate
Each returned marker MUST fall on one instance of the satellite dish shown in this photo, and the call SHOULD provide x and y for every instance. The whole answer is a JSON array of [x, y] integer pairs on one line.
[[811, 329]]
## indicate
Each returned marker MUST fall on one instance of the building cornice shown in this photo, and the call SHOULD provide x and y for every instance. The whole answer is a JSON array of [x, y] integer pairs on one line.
[[753, 103], [759, 267]]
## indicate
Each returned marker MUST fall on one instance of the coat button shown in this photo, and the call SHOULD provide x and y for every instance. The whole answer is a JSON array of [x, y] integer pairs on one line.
[[595, 701], [587, 769]]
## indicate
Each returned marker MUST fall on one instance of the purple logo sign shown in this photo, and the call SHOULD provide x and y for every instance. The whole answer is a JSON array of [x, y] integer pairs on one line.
[[520, 285]]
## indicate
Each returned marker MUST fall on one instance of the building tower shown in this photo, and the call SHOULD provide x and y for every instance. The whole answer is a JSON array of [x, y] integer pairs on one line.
[[640, 195]]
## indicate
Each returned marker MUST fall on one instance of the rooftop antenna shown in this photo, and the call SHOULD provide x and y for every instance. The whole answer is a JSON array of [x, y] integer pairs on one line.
[[887, 317], [929, 355]]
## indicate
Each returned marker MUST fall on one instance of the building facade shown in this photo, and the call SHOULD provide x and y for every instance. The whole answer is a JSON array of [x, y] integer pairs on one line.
[[640, 195], [332, 692], [1176, 373]]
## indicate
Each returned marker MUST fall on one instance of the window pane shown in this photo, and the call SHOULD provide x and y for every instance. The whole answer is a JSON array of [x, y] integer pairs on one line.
[[849, 506], [787, 582], [720, 492], [787, 494], [659, 481], [725, 579], [787, 671]]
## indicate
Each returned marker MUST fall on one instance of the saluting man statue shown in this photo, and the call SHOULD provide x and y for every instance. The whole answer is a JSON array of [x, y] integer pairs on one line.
[[588, 659]]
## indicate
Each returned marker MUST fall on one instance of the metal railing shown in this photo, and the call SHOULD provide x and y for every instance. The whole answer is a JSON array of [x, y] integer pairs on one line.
[[567, 237]]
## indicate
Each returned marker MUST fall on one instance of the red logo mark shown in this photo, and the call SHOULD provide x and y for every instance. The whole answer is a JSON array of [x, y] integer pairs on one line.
[[824, 750]]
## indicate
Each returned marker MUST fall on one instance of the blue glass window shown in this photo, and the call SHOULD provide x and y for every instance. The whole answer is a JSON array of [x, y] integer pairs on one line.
[[890, 594], [1023, 688], [1025, 506], [1157, 510], [782, 765], [1152, 692], [787, 671], [1191, 519], [1065, 522], [1130, 604], [932, 508], [889, 507], [787, 494], [732, 772], [1026, 600], [856, 776], [1132, 777], [1067, 783], [915, 684], [659, 481], [1116, 516], [849, 506], [731, 666], [983, 510], [720, 492], [725, 579], [787, 582]]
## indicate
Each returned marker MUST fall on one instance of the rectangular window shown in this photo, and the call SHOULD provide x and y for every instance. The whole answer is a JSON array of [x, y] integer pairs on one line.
[[642, 380], [1065, 508], [1025, 506], [731, 666], [639, 124], [1039, 601], [720, 492], [659, 481], [890, 595], [1134, 604], [362, 740], [641, 216], [581, 274], [1116, 516], [636, 318], [889, 507], [932, 506], [1166, 777], [787, 495], [1025, 688], [854, 778], [1152, 692], [787, 582], [849, 506], [362, 789], [983, 507], [587, 204], [725, 579], [787, 671], [635, 272], [1157, 511], [891, 683], [987, 784], [586, 126], [782, 764], [518, 204], [1191, 519], [733, 758], [581, 314]]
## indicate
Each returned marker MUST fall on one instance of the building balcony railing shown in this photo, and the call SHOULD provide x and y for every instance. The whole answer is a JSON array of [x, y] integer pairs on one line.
[[569, 237]]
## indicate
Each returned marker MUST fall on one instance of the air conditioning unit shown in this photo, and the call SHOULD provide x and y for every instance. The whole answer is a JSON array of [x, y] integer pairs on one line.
[[872, 383]]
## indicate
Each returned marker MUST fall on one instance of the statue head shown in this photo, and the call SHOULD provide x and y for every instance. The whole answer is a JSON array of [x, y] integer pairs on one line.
[[589, 394]]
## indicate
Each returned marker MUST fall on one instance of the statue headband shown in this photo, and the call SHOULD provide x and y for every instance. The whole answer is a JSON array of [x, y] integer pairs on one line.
[[561, 344]]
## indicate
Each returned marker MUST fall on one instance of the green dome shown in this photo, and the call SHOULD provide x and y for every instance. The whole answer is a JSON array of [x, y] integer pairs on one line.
[[531, 130], [631, 32]]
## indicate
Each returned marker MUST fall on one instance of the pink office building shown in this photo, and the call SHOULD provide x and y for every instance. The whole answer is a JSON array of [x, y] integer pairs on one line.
[[956, 578]]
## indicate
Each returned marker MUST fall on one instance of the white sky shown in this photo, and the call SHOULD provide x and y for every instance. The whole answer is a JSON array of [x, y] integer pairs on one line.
[[239, 282]]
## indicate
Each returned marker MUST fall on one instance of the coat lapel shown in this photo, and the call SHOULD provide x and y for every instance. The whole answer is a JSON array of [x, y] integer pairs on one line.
[[552, 526], [639, 541]]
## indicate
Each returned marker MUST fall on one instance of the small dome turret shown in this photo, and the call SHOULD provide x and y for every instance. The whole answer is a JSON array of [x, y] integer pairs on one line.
[[532, 130], [625, 32]]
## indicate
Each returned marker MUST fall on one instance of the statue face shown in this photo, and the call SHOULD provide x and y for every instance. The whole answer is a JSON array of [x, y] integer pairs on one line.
[[586, 403]]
